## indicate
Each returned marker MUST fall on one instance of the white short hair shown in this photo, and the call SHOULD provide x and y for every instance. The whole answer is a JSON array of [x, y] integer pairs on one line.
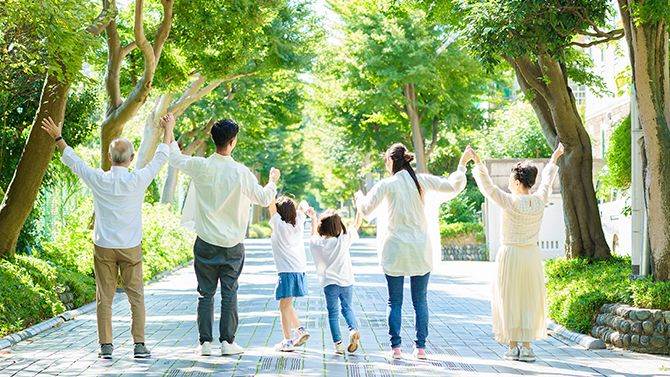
[[121, 149]]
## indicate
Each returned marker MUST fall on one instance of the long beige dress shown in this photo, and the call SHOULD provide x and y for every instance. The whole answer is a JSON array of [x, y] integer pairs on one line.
[[519, 300]]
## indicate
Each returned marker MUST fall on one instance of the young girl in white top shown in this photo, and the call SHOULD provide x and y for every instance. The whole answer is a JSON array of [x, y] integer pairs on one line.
[[406, 249], [330, 245], [288, 249], [519, 300]]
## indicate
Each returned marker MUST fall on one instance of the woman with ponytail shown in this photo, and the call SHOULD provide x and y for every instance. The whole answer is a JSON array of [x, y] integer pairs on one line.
[[406, 248]]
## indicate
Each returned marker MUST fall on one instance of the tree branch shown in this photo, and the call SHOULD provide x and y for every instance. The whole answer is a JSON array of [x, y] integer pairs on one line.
[[530, 72], [163, 30], [434, 141], [127, 49], [108, 13]]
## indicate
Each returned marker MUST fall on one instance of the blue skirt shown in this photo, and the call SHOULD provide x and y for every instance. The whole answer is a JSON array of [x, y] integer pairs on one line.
[[291, 284]]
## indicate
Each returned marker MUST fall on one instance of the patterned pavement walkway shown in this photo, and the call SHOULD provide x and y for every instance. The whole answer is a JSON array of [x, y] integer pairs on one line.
[[460, 340]]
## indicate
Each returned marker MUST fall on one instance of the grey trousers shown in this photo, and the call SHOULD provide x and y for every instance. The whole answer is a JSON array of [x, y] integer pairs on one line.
[[213, 264]]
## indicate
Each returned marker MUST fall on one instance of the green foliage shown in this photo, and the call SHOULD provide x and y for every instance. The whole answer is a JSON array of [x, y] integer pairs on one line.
[[617, 174], [468, 233], [577, 288], [465, 208], [260, 230], [514, 133]]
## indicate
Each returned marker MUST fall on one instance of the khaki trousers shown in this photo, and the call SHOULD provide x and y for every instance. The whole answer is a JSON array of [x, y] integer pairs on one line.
[[107, 263]]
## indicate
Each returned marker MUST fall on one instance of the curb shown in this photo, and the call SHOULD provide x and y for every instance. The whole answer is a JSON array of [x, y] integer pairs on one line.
[[69, 315], [588, 342]]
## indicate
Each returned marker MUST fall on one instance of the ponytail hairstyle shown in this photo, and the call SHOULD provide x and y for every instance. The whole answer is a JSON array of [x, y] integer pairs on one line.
[[402, 158], [525, 172]]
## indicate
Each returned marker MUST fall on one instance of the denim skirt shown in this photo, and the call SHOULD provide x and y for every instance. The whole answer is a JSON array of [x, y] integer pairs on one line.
[[291, 284]]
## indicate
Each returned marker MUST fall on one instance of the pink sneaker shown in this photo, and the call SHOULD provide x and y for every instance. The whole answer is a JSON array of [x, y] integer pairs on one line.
[[420, 353], [395, 353]]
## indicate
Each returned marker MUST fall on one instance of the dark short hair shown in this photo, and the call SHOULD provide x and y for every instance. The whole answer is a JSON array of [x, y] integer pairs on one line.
[[286, 209], [224, 131], [524, 172], [330, 224]]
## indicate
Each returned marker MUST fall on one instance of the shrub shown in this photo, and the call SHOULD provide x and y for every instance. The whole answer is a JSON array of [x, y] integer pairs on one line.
[[260, 230], [577, 288], [462, 234]]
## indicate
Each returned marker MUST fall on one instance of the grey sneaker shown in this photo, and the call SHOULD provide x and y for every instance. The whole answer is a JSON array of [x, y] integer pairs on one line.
[[141, 351], [300, 337], [106, 351], [339, 348], [512, 353], [526, 354]]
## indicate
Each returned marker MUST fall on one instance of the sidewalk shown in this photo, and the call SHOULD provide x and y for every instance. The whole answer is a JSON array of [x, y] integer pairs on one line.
[[460, 342]]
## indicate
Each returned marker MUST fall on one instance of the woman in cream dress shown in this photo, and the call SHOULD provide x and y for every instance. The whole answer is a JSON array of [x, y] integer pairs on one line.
[[518, 304]]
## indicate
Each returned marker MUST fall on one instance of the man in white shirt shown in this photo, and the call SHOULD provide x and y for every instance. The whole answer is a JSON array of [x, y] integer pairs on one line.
[[224, 190], [117, 236]]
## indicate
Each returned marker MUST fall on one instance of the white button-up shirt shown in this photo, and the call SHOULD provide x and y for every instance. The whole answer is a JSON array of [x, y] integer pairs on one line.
[[117, 198], [407, 229], [224, 190]]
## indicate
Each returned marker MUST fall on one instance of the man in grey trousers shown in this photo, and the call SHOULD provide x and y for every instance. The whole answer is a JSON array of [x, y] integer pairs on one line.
[[224, 190]]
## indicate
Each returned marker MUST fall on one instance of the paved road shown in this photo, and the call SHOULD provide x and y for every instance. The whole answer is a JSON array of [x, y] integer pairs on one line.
[[460, 340]]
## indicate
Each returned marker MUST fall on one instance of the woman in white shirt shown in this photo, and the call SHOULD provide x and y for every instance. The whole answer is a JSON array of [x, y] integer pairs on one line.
[[288, 249], [406, 248], [519, 299]]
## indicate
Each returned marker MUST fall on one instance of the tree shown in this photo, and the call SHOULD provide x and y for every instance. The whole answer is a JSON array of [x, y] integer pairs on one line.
[[403, 69], [56, 34], [646, 28], [540, 40]]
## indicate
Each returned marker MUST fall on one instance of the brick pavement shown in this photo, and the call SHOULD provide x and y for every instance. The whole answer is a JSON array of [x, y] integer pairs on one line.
[[460, 341]]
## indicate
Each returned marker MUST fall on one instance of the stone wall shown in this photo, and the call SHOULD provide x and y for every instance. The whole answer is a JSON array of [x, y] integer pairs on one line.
[[640, 330], [465, 252]]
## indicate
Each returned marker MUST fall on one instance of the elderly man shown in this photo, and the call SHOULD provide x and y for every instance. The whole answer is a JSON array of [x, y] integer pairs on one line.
[[224, 190], [117, 237]]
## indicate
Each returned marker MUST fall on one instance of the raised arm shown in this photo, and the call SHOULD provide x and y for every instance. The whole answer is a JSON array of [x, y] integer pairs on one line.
[[273, 207], [549, 174], [258, 194], [487, 187], [69, 157], [359, 221], [312, 215], [366, 204]]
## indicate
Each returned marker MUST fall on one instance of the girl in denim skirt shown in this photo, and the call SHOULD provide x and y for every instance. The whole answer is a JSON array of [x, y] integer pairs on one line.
[[288, 249], [330, 245]]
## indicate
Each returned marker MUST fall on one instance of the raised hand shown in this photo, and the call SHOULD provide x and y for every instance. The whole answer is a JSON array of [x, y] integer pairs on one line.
[[274, 175], [557, 153], [51, 128], [358, 195], [310, 212]]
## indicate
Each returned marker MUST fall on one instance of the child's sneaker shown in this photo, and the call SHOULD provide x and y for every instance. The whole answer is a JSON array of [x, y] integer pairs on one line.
[[354, 337], [512, 353], [300, 337], [420, 353], [526, 354], [286, 345], [395, 353], [339, 348]]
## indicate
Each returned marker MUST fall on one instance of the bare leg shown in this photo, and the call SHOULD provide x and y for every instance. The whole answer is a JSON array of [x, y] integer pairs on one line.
[[513, 344], [285, 310], [295, 320], [525, 344]]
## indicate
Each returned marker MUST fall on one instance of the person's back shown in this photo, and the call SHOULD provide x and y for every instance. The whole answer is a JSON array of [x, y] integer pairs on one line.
[[224, 190]]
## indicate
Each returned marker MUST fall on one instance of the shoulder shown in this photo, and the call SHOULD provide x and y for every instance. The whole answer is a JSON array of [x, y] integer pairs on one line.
[[276, 221]]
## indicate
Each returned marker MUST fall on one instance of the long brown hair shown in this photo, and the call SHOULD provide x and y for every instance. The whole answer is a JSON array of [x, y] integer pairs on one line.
[[402, 158]]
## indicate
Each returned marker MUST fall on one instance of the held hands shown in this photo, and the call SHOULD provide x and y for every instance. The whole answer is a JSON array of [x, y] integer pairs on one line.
[[469, 154], [557, 153], [358, 195], [51, 128], [274, 175], [167, 122], [311, 213]]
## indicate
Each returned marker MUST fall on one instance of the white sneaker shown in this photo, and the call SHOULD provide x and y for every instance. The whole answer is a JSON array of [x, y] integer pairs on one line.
[[354, 337], [339, 348], [205, 349], [512, 353], [300, 337], [230, 349], [286, 345], [526, 354]]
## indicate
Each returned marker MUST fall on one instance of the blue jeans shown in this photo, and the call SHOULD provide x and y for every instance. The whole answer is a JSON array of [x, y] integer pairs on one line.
[[419, 288], [336, 295]]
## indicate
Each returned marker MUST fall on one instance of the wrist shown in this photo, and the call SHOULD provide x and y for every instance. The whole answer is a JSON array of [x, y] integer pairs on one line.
[[59, 137]]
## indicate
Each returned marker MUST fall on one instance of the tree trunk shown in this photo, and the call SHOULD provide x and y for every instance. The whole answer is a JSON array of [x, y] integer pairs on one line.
[[648, 51], [153, 133], [555, 106], [412, 111], [39, 149], [167, 197]]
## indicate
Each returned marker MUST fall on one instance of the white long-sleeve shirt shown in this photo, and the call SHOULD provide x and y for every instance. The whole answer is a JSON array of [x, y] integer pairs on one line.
[[224, 190], [117, 198], [288, 248], [407, 246], [522, 214]]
